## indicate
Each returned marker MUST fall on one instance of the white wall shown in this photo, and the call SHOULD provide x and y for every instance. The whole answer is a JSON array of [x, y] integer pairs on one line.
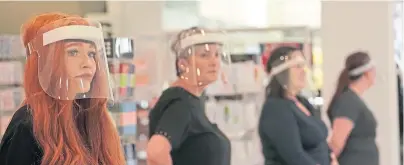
[[176, 19], [294, 13], [350, 26], [14, 14]]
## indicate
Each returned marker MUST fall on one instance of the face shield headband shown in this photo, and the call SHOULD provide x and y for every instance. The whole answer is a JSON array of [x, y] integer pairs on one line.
[[79, 32], [199, 39], [283, 66], [362, 69], [286, 65]]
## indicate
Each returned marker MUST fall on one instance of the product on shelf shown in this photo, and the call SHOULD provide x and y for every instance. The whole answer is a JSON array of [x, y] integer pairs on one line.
[[11, 72], [127, 119], [120, 48], [142, 131], [11, 98], [120, 54], [130, 154], [11, 47]]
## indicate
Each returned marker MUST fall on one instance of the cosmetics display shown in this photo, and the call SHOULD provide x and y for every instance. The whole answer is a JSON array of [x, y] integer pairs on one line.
[[142, 134], [130, 112], [120, 55]]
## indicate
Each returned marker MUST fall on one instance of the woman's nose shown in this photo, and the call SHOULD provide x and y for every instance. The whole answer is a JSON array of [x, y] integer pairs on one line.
[[85, 61], [214, 61]]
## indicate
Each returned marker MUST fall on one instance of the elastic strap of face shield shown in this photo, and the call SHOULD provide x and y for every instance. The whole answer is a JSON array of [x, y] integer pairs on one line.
[[201, 39], [361, 69], [288, 64], [84, 32]]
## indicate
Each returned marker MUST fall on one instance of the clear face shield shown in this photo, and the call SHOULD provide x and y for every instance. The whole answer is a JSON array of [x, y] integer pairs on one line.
[[290, 73], [202, 59], [72, 62]]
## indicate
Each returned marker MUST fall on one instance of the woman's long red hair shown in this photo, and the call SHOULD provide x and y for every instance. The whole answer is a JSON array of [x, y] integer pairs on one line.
[[66, 135]]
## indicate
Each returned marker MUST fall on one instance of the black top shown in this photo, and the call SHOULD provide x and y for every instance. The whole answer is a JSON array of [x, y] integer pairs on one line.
[[360, 147], [290, 137], [18, 146], [180, 117]]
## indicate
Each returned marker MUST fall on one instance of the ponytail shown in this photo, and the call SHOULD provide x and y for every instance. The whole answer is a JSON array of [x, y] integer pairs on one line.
[[343, 82]]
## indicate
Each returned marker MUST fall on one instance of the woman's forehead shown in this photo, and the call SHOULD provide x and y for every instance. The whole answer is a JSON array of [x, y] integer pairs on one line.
[[296, 54], [207, 47]]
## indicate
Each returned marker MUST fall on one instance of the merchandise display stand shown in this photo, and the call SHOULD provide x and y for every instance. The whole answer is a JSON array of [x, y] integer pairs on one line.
[[120, 54], [12, 59], [151, 75]]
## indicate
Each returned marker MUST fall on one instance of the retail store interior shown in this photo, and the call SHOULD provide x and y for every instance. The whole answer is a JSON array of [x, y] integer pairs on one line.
[[138, 34]]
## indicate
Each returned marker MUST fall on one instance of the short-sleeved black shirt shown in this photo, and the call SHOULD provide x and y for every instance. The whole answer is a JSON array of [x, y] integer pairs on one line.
[[180, 117], [360, 147], [18, 145]]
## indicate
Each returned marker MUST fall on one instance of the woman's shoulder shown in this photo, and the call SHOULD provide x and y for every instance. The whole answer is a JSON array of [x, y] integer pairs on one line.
[[275, 105], [22, 118], [178, 96], [348, 98], [277, 102], [18, 143]]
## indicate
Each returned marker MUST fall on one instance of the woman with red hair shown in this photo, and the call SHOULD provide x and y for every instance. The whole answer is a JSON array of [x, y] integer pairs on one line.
[[64, 118]]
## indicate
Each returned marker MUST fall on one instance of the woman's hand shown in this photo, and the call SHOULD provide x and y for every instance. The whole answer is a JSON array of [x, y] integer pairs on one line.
[[334, 160]]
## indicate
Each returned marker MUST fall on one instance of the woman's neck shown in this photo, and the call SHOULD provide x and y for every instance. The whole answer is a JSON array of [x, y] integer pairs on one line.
[[358, 88], [291, 96], [194, 89]]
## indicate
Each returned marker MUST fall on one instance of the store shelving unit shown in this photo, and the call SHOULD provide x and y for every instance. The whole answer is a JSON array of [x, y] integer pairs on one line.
[[120, 54], [12, 59]]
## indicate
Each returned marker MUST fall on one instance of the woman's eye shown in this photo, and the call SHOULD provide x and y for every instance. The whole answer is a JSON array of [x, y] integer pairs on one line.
[[73, 52], [91, 54]]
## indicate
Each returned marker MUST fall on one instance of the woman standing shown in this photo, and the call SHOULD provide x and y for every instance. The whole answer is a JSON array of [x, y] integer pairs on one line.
[[180, 131], [290, 132], [354, 126], [64, 119]]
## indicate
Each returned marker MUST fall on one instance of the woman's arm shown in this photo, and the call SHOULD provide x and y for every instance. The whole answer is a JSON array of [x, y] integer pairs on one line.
[[344, 113], [280, 127], [341, 129], [171, 131], [158, 151]]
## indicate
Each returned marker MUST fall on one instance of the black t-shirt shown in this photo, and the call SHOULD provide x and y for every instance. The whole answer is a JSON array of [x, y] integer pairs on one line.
[[290, 137], [18, 145], [360, 147], [179, 116]]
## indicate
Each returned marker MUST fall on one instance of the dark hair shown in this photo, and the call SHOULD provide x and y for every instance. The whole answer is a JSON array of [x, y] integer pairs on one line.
[[275, 88], [353, 61]]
